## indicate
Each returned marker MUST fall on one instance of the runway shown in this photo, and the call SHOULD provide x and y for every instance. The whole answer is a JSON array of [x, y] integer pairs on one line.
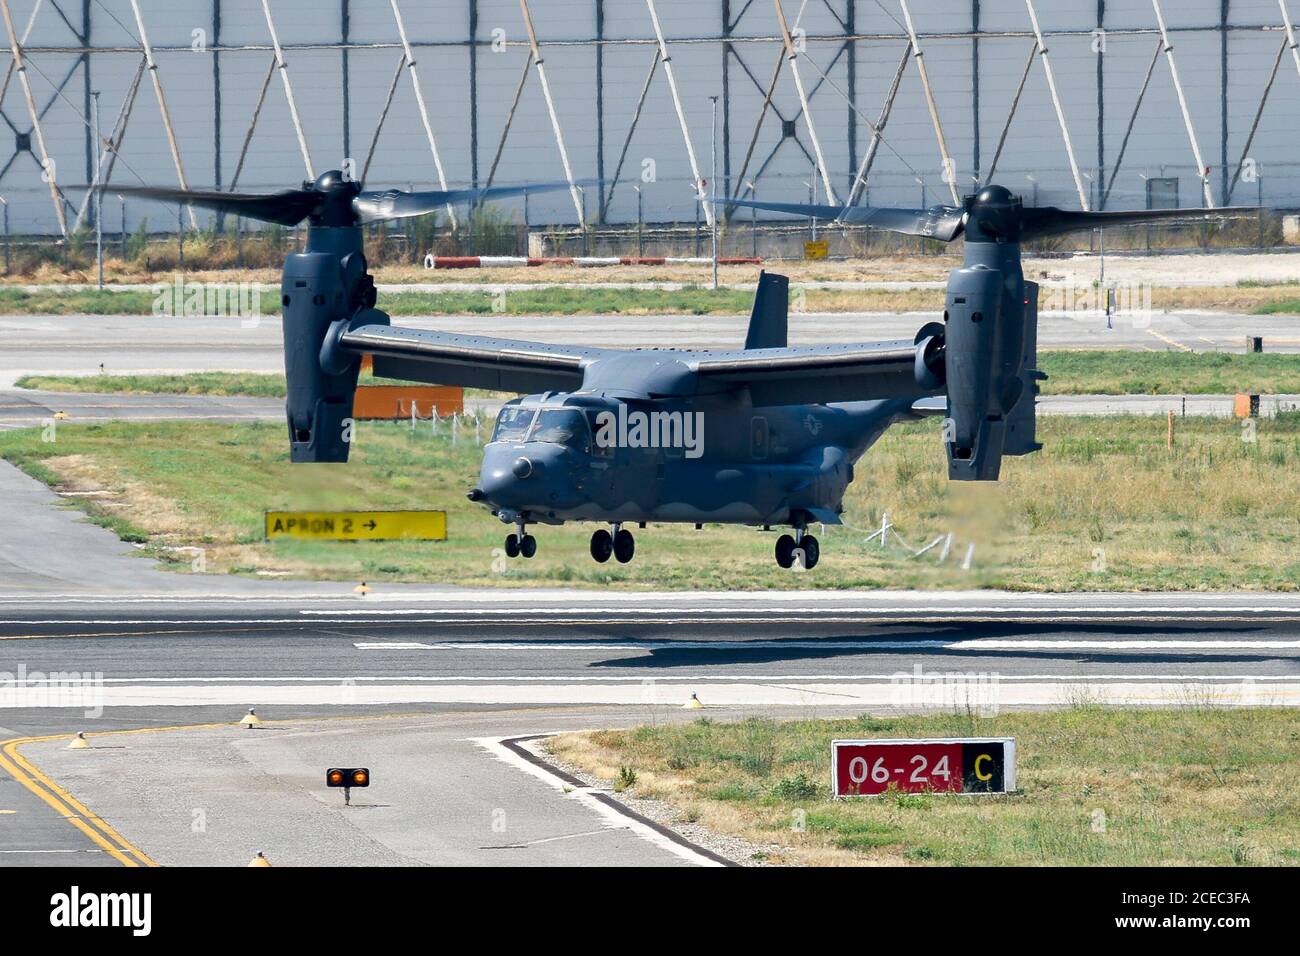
[[79, 345], [24, 408]]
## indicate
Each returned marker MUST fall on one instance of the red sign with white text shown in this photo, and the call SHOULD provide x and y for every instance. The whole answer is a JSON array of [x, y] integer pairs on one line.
[[863, 768]]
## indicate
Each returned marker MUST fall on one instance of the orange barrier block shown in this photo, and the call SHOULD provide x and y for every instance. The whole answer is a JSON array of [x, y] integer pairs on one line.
[[394, 402], [1246, 406]]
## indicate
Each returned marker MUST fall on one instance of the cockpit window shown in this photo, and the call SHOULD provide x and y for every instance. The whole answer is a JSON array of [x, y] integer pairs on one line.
[[562, 426], [513, 423]]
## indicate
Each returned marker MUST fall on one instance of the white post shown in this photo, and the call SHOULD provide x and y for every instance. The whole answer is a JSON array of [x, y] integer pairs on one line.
[[713, 191], [1182, 103], [99, 200], [152, 67], [48, 170], [550, 108], [792, 54], [288, 89], [677, 105], [424, 112], [1290, 33], [1060, 110], [949, 167]]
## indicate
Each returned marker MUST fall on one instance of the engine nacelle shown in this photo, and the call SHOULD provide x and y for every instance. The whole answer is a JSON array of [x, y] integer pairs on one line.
[[318, 290], [983, 355], [1022, 423]]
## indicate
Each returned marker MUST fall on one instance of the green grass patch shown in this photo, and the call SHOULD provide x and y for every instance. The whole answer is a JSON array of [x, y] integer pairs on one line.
[[1169, 373], [1284, 306], [691, 300], [1098, 787], [225, 384], [1104, 507]]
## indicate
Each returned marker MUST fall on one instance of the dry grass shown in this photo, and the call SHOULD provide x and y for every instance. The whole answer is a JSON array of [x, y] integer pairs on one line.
[[1105, 507], [1189, 786]]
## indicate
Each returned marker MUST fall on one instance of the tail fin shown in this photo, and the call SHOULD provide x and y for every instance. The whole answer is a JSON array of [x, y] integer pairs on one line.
[[768, 322]]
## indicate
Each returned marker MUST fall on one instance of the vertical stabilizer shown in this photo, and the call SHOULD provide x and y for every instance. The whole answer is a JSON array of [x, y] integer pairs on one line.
[[768, 322]]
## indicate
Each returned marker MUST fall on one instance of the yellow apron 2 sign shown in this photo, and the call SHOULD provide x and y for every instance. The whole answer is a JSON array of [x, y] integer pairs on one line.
[[356, 525], [818, 249]]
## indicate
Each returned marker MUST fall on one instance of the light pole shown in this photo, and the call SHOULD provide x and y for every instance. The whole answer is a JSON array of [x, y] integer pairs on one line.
[[99, 198], [713, 191]]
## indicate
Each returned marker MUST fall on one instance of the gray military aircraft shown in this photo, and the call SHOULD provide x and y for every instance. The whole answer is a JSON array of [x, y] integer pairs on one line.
[[767, 435]]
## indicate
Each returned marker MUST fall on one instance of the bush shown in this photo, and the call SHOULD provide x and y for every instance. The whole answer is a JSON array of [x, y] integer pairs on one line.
[[798, 787]]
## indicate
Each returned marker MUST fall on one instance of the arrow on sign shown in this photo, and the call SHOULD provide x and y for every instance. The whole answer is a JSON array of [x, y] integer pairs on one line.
[[370, 524]]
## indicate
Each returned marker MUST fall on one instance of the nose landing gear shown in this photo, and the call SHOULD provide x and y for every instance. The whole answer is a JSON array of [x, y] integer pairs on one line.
[[800, 547], [522, 543]]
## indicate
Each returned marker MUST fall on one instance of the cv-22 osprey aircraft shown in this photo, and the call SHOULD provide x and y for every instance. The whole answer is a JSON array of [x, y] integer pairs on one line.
[[767, 435]]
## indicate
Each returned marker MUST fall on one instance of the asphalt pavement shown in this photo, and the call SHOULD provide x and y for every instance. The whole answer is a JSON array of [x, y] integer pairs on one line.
[[80, 345]]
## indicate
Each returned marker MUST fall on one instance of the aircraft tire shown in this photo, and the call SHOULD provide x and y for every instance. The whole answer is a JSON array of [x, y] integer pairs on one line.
[[602, 546], [528, 546], [785, 551], [812, 552], [512, 546], [624, 546]]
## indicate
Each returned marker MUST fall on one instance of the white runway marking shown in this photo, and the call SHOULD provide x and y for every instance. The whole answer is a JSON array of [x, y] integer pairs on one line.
[[988, 644], [833, 609], [614, 818], [400, 679], [900, 691]]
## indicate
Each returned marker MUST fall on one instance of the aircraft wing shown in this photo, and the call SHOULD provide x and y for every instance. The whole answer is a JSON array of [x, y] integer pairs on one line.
[[817, 374], [474, 361]]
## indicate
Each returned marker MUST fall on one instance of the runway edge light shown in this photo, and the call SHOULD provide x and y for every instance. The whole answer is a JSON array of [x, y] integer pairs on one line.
[[79, 742], [259, 860], [250, 719]]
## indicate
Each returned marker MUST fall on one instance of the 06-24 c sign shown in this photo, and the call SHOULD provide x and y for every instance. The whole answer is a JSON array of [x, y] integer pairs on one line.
[[863, 768]]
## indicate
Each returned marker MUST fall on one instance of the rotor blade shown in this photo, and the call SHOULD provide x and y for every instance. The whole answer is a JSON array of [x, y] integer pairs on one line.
[[1050, 221], [287, 208], [944, 223], [401, 204]]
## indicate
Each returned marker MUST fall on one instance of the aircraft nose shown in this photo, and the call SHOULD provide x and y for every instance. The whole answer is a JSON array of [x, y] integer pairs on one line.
[[532, 477]]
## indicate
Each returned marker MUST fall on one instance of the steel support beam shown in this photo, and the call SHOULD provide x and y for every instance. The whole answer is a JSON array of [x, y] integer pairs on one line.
[[1201, 169], [697, 179], [283, 67], [152, 66], [48, 169], [423, 109], [949, 166], [792, 53], [1060, 110], [540, 63]]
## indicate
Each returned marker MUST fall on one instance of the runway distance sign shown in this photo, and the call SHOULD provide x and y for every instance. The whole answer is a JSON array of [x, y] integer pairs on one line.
[[356, 525], [865, 768]]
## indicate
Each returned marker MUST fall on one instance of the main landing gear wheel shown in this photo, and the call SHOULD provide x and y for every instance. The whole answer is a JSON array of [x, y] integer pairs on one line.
[[512, 546], [528, 546], [812, 551], [785, 551], [624, 546], [602, 545]]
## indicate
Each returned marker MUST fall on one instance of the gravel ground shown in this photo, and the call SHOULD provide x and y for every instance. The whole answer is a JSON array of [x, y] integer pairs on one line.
[[739, 851]]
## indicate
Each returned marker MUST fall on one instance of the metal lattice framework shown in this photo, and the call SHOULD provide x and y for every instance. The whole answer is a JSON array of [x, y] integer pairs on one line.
[[814, 80]]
